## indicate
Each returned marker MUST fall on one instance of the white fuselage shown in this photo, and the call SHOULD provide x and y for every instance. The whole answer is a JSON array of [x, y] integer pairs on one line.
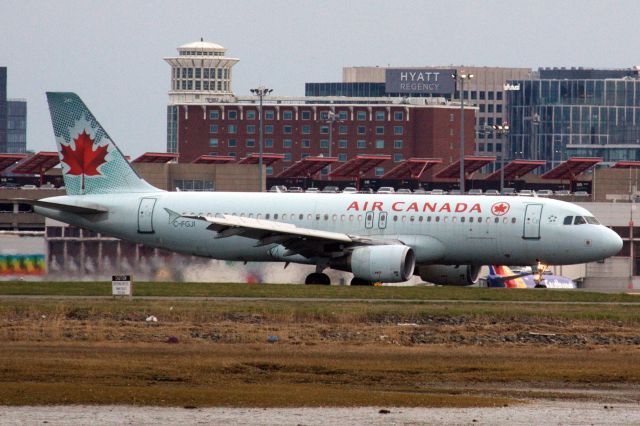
[[441, 229]]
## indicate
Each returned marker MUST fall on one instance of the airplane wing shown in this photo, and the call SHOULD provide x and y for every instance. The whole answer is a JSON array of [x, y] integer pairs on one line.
[[304, 241]]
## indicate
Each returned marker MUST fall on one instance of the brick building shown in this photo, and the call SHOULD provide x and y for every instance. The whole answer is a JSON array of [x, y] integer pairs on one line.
[[206, 118]]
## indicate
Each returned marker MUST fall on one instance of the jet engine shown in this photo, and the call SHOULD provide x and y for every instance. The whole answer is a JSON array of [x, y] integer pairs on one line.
[[459, 275], [386, 263]]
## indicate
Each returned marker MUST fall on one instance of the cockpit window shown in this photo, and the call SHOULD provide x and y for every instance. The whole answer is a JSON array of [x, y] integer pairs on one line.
[[568, 220], [579, 220], [592, 220]]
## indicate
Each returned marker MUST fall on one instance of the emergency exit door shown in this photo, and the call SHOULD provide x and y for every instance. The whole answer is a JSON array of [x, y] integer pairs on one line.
[[532, 217], [145, 215]]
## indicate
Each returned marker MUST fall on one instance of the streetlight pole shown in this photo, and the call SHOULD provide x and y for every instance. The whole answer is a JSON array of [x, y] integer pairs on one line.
[[502, 130], [331, 118], [260, 92], [462, 77]]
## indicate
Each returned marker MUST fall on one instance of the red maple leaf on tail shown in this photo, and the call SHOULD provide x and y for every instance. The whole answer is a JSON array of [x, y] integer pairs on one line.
[[83, 160]]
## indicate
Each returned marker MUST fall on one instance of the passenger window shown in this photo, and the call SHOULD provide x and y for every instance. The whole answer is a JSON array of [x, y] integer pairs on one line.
[[334, 217], [301, 217], [284, 216], [479, 220], [505, 220], [266, 216], [359, 218], [420, 219], [395, 218], [412, 219], [350, 218], [428, 218], [309, 216], [317, 217], [568, 220], [437, 218], [445, 219], [404, 218], [471, 219], [497, 220], [342, 217], [579, 220], [462, 219], [275, 216], [454, 219], [513, 220], [326, 217], [251, 215]]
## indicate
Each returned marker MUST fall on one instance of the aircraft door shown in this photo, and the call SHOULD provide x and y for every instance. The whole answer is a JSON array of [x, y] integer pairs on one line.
[[532, 216], [382, 220], [368, 220], [145, 215]]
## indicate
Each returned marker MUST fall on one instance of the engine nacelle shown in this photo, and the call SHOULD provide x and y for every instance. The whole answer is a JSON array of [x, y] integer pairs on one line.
[[459, 275], [389, 263]]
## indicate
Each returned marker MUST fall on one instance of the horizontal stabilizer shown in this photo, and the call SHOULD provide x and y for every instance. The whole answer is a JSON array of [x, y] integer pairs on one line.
[[63, 207]]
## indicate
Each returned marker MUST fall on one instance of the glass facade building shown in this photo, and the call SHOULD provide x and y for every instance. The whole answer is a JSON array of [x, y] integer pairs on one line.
[[576, 113], [3, 109], [16, 126]]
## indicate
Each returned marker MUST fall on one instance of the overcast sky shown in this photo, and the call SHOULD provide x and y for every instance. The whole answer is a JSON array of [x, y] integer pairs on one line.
[[110, 52]]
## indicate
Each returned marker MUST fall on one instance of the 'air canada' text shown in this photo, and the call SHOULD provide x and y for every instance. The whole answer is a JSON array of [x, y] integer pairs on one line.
[[401, 206]]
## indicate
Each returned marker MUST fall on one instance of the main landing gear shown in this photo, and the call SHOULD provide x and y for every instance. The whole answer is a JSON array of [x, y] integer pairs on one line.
[[360, 281], [318, 278]]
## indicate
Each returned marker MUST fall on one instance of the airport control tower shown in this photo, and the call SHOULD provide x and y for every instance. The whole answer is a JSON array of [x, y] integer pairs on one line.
[[200, 74], [200, 70]]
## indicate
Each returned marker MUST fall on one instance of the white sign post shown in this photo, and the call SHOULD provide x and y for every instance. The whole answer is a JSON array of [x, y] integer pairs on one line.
[[121, 285]]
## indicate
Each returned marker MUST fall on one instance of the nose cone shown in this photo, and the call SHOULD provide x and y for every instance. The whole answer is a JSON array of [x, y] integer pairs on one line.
[[611, 243]]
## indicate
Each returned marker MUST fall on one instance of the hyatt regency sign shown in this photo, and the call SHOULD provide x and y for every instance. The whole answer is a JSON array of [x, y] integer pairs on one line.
[[420, 81]]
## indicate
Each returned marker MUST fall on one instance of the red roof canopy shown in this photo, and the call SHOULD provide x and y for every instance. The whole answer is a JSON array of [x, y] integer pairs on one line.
[[624, 165], [156, 157], [516, 169], [307, 167], [571, 168], [267, 159], [8, 160], [411, 168], [214, 159], [37, 163], [359, 165], [471, 164]]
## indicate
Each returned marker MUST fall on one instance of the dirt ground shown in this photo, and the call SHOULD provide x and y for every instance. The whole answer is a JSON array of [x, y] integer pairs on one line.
[[283, 355]]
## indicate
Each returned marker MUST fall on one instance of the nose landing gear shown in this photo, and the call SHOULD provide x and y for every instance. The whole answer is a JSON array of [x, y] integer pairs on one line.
[[538, 271]]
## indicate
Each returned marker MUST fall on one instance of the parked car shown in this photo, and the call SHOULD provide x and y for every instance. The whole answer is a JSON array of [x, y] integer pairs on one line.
[[438, 192], [491, 192], [544, 192], [526, 193], [366, 191], [403, 191], [331, 189], [508, 191], [475, 191], [581, 194], [562, 193], [386, 190], [29, 187], [455, 192], [349, 190], [278, 188], [419, 191], [315, 190]]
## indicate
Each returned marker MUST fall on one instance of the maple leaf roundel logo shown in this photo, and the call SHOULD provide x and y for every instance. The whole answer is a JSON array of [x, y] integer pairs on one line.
[[84, 160], [500, 209]]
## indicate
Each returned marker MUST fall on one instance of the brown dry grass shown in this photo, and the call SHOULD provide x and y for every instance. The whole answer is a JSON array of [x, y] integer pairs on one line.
[[348, 354]]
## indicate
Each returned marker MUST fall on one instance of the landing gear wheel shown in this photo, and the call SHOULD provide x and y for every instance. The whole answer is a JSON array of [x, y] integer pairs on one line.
[[318, 278], [360, 281]]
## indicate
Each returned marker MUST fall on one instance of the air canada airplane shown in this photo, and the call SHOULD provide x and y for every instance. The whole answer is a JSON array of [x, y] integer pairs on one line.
[[377, 237]]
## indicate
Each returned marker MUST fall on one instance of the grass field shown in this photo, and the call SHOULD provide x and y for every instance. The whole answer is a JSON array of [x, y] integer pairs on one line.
[[82, 288], [400, 347]]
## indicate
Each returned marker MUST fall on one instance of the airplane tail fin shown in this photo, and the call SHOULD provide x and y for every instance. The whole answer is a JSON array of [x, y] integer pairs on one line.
[[91, 161]]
